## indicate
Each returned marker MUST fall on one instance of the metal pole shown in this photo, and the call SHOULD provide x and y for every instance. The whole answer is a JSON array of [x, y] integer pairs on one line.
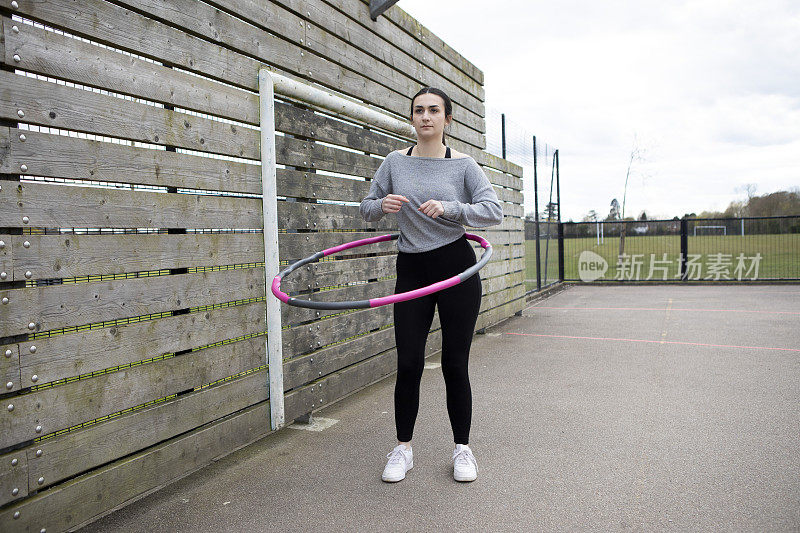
[[503, 131], [536, 217], [684, 248], [271, 261], [560, 227]]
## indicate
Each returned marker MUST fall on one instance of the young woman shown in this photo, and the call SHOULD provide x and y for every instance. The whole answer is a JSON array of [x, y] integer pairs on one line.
[[433, 192]]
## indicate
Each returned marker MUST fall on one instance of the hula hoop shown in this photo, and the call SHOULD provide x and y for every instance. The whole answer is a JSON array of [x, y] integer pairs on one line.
[[383, 300]]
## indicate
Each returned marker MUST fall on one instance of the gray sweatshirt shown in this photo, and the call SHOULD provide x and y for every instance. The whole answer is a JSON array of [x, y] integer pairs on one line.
[[459, 183]]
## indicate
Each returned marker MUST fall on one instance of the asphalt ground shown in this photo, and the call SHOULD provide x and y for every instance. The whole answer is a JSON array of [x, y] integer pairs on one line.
[[645, 408]]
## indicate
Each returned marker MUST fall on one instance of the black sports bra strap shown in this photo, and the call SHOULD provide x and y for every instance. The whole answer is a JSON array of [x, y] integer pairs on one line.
[[446, 153]]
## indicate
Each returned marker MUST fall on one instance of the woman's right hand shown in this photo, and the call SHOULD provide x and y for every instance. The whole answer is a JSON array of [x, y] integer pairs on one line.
[[392, 203]]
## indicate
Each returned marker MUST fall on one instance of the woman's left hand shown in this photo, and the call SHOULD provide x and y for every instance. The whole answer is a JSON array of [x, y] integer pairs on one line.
[[432, 208]]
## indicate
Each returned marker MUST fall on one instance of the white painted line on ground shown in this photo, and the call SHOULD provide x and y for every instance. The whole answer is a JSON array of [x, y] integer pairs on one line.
[[429, 366], [654, 342]]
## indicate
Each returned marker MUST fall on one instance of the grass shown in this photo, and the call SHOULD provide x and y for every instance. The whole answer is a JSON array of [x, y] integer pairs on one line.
[[711, 257]]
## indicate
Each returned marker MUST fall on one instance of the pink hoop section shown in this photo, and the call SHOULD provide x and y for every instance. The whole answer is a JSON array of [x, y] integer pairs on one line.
[[416, 293], [355, 244]]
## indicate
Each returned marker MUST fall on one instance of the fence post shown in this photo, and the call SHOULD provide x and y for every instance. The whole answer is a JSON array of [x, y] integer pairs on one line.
[[503, 132], [536, 217], [560, 225], [684, 247], [271, 261], [560, 251]]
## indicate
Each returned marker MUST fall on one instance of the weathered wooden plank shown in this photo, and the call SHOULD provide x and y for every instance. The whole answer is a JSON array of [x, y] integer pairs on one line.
[[65, 256], [308, 337], [71, 453], [57, 106], [502, 267], [6, 250], [513, 210], [300, 215], [50, 205], [60, 306], [9, 367], [51, 54], [173, 46], [501, 178], [75, 354], [72, 403], [509, 195], [13, 478], [65, 157], [499, 283], [501, 297]]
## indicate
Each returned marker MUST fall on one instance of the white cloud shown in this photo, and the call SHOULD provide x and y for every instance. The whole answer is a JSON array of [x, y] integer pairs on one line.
[[711, 89]]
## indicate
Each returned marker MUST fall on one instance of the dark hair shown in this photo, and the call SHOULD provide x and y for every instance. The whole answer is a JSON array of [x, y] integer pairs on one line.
[[448, 104]]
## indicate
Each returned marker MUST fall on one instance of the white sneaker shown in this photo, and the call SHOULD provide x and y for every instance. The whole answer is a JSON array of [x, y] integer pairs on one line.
[[401, 460], [465, 468]]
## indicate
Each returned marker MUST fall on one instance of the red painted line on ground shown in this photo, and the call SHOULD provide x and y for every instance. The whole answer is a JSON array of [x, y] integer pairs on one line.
[[664, 309], [654, 342]]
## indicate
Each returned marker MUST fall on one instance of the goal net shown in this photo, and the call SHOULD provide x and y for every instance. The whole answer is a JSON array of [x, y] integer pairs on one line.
[[710, 230]]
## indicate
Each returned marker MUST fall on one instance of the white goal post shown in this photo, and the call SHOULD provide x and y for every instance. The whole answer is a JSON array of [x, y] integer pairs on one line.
[[724, 229]]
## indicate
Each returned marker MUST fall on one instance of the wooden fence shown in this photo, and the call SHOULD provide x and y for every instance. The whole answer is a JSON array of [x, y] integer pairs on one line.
[[132, 324]]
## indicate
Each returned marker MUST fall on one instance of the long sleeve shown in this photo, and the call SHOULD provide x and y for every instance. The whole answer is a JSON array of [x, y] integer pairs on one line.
[[381, 186], [484, 208]]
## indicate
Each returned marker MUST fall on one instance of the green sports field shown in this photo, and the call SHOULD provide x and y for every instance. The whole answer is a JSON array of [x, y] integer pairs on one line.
[[711, 257]]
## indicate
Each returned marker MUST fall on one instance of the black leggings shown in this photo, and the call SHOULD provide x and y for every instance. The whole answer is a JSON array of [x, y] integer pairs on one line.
[[458, 312]]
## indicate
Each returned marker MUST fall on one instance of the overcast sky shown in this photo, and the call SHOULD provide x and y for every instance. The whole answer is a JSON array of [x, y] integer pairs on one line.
[[711, 90]]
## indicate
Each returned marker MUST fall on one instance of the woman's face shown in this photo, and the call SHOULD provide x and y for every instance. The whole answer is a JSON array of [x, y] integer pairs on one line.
[[428, 117]]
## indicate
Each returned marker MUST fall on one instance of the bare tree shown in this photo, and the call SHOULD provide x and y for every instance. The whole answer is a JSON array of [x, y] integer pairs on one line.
[[637, 156]]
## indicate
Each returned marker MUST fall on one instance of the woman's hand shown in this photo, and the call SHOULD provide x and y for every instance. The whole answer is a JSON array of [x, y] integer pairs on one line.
[[432, 208], [392, 203]]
